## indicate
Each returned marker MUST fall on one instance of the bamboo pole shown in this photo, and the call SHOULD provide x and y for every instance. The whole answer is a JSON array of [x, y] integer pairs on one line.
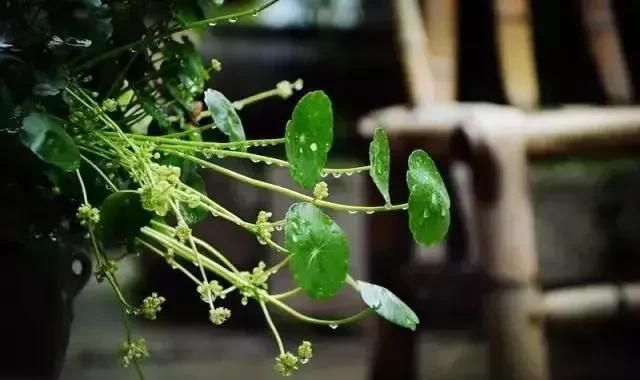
[[606, 49], [590, 302], [415, 51]]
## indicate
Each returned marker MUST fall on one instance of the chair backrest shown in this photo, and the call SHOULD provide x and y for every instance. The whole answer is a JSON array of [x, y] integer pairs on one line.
[[428, 34]]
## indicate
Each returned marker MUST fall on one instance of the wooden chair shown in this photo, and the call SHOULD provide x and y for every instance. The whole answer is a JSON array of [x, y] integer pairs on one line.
[[495, 144]]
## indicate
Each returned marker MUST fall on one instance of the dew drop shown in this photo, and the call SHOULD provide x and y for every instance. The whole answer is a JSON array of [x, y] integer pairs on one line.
[[233, 20], [213, 23], [333, 326], [336, 175], [255, 14], [369, 212], [268, 162], [304, 360], [324, 174], [255, 161], [244, 301], [443, 212], [279, 227], [313, 147], [220, 155], [405, 207], [223, 296], [352, 212]]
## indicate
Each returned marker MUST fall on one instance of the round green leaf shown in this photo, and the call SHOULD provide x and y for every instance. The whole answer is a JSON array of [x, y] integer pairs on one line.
[[429, 203], [224, 116], [319, 250], [308, 138], [121, 217], [380, 159], [388, 305], [48, 140]]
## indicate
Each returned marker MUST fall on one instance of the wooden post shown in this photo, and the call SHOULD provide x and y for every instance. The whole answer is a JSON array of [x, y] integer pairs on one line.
[[497, 153]]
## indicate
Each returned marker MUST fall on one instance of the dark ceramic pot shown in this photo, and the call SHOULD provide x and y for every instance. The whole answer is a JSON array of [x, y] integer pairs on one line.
[[40, 270]]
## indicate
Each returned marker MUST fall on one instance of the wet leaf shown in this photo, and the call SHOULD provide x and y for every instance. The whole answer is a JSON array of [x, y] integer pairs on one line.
[[319, 250]]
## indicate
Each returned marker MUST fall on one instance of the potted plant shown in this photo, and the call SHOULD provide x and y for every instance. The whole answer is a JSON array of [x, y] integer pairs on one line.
[[105, 111]]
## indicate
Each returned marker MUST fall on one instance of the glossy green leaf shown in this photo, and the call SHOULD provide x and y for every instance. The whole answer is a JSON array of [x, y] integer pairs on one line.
[[225, 117], [380, 159], [319, 250], [121, 217], [388, 305], [308, 138], [429, 215], [46, 137]]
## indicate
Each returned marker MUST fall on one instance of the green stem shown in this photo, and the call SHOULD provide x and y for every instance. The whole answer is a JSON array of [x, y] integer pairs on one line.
[[288, 192], [276, 335], [202, 244], [175, 264], [100, 172], [287, 294], [270, 160]]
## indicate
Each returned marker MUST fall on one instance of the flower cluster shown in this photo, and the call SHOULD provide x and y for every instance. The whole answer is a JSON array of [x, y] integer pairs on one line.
[[109, 105], [305, 351], [287, 363], [210, 291], [157, 197], [182, 231], [88, 215], [285, 89], [263, 227], [133, 350], [151, 306], [219, 315], [321, 190]]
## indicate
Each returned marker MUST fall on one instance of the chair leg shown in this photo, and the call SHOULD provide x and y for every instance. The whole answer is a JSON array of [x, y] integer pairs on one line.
[[517, 349], [389, 253]]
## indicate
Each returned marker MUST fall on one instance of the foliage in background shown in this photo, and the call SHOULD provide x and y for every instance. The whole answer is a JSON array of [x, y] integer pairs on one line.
[[111, 96]]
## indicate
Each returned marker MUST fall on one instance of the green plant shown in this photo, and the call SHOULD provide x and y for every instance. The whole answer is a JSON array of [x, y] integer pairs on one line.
[[132, 137]]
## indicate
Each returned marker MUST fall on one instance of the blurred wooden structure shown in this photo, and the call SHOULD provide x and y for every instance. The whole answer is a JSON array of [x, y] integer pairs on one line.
[[495, 143]]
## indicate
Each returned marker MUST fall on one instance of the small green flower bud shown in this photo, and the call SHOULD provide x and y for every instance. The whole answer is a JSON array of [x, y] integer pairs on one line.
[[151, 306], [321, 190], [263, 227], [284, 89], [109, 105], [219, 315], [133, 350], [216, 65], [212, 290], [286, 364], [183, 232], [305, 352], [88, 216]]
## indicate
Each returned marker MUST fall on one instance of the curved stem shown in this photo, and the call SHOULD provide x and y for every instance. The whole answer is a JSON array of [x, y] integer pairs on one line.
[[327, 322], [100, 172], [285, 191], [276, 335], [176, 264], [287, 294]]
